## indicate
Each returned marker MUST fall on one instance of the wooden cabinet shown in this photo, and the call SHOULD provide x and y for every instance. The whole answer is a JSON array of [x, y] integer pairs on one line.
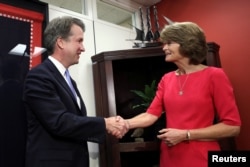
[[116, 73]]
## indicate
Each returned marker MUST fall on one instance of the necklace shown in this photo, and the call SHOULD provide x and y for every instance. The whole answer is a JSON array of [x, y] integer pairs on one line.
[[181, 86]]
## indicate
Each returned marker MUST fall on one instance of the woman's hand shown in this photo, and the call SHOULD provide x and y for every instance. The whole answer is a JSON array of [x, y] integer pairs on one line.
[[172, 136]]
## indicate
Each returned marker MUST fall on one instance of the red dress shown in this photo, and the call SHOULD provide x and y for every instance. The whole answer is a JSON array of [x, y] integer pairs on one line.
[[203, 92]]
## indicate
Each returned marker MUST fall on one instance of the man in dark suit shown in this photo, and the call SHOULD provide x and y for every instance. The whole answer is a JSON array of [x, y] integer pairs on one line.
[[58, 126]]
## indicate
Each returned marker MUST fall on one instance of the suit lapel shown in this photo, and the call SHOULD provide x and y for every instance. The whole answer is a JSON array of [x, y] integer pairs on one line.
[[83, 108], [64, 84]]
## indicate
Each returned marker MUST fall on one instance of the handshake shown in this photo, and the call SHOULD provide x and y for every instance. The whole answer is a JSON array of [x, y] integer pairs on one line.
[[117, 126]]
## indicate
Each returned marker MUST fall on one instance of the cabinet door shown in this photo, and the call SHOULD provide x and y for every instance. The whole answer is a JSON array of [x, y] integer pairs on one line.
[[115, 74]]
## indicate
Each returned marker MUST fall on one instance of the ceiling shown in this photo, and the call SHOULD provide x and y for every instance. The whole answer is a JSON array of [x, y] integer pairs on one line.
[[145, 2], [131, 5]]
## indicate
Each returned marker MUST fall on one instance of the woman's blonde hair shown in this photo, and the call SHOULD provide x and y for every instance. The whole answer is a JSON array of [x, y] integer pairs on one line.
[[191, 38]]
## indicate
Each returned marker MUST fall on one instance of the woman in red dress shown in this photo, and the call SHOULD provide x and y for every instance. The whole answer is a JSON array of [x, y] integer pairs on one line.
[[192, 96]]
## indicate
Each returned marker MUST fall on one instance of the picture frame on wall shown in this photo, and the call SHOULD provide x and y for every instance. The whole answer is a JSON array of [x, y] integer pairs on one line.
[[22, 23]]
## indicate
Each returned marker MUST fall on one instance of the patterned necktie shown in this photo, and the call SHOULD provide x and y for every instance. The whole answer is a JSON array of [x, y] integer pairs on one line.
[[70, 83]]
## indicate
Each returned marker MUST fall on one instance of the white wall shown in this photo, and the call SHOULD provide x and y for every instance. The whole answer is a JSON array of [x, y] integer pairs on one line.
[[112, 37], [98, 37]]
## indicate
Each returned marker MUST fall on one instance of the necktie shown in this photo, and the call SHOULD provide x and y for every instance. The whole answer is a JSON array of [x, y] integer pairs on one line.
[[67, 75]]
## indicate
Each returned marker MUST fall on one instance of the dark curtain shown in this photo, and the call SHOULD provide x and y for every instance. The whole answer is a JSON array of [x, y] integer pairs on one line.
[[13, 69]]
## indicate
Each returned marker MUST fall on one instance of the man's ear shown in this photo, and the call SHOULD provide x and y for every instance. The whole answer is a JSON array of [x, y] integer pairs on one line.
[[59, 42]]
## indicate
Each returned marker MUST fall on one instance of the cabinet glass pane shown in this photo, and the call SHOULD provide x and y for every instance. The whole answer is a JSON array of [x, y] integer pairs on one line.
[[113, 14], [73, 5]]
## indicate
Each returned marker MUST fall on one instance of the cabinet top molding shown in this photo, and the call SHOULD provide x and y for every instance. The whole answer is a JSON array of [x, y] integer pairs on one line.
[[139, 52], [128, 54]]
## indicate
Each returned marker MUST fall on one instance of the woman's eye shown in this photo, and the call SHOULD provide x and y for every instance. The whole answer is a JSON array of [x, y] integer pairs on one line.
[[169, 42]]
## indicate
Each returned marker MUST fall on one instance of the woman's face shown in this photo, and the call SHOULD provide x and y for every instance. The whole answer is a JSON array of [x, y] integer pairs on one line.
[[171, 50]]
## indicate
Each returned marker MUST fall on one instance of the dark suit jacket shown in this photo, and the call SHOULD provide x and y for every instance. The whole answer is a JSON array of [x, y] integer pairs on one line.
[[58, 130]]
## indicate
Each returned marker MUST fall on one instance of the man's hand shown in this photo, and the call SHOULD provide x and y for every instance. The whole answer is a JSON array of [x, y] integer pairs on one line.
[[116, 126]]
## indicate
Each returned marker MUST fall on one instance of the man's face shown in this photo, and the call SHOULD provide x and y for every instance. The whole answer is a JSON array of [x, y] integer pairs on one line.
[[73, 46]]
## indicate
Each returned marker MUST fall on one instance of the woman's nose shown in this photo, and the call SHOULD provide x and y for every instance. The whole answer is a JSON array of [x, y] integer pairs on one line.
[[165, 46]]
